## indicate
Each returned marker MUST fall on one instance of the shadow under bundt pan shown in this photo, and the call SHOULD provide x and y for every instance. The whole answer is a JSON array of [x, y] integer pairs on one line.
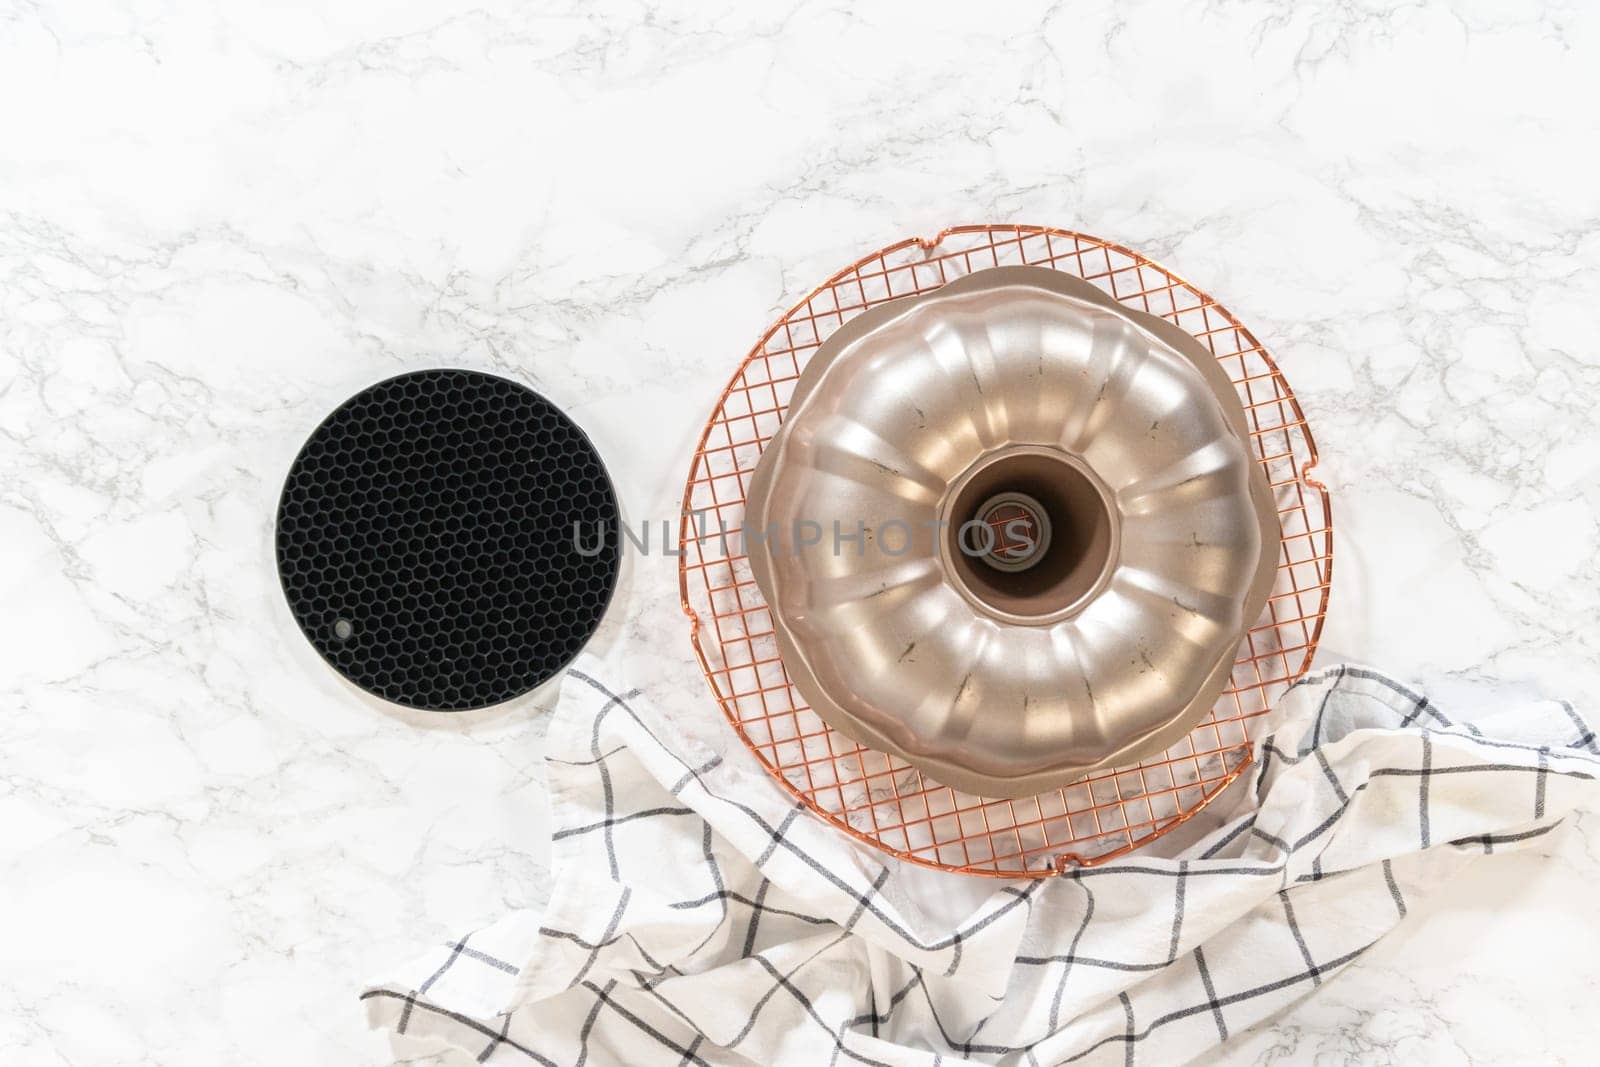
[[1135, 542]]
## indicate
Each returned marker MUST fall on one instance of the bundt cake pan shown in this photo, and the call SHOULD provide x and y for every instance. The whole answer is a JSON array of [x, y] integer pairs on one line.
[[1132, 537]]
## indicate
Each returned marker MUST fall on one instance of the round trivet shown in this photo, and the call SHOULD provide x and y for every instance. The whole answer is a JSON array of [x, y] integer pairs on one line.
[[882, 800], [447, 539]]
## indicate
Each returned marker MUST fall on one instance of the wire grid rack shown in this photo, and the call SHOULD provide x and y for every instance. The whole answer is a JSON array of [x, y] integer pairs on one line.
[[882, 800]]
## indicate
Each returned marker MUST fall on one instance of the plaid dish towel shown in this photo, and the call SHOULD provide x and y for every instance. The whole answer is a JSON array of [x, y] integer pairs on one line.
[[700, 917]]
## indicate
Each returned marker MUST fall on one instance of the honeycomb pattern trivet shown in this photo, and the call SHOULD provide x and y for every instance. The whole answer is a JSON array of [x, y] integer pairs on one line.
[[426, 539]]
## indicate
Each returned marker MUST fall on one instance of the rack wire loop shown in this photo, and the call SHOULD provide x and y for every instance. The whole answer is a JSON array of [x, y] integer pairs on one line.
[[882, 800]]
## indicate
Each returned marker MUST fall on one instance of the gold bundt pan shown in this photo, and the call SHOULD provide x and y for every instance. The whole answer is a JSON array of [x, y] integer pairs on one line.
[[1127, 448]]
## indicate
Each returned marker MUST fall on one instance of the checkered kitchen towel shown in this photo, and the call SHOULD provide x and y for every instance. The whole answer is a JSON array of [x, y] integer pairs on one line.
[[700, 917]]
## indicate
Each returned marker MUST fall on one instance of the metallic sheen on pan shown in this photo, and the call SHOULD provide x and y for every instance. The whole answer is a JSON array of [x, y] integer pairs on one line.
[[1147, 541]]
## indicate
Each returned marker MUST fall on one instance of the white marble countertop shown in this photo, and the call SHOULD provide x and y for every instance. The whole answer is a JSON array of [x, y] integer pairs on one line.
[[215, 225]]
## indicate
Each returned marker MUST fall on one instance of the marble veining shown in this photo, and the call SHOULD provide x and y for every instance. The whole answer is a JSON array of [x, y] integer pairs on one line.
[[215, 224]]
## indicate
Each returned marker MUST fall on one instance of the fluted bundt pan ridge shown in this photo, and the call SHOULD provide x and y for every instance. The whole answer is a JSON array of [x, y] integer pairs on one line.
[[1011, 531]]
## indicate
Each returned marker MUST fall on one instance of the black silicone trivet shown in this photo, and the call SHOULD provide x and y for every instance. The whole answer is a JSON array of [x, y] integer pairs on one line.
[[426, 539]]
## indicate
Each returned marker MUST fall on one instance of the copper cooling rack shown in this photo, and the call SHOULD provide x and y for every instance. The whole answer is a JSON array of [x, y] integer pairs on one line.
[[881, 799]]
